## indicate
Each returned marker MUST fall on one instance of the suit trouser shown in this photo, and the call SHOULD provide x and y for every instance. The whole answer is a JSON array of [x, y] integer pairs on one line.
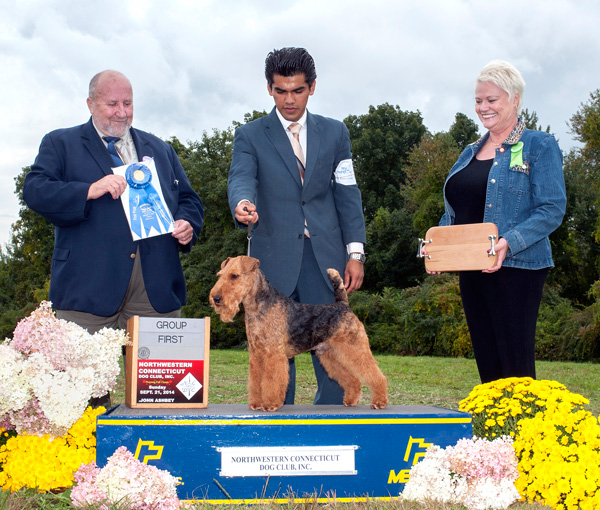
[[501, 310], [135, 302], [312, 289]]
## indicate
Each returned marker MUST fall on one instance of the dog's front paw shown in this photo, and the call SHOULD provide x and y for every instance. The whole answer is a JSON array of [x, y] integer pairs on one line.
[[379, 404], [271, 407], [255, 406]]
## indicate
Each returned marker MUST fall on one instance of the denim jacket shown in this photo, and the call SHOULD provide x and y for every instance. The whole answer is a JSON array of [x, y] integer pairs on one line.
[[525, 195]]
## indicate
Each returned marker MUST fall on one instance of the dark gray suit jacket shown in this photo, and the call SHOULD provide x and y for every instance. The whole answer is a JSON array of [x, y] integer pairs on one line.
[[264, 171]]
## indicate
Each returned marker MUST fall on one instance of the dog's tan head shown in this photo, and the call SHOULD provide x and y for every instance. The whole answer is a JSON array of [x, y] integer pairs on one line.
[[236, 278]]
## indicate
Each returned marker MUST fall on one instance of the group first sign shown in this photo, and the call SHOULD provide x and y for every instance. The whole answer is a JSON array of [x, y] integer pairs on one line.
[[167, 363]]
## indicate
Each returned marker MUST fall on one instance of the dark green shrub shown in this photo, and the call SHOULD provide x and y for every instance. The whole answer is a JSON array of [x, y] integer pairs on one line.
[[425, 320]]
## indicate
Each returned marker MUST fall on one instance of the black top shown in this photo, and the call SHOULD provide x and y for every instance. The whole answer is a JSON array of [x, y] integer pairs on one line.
[[465, 191]]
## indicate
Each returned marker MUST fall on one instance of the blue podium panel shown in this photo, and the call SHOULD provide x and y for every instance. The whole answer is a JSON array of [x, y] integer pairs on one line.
[[227, 454]]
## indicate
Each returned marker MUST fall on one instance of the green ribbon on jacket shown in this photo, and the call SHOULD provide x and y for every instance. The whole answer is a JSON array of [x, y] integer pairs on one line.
[[516, 154]]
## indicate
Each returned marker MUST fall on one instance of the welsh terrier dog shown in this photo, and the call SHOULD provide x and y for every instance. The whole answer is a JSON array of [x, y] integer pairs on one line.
[[279, 328]]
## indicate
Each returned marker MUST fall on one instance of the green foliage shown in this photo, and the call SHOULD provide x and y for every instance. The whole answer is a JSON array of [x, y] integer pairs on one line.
[[567, 334], [532, 122], [589, 348], [391, 245], [381, 141], [464, 131], [428, 320], [434, 320], [428, 166], [249, 117], [379, 313], [25, 266], [558, 328], [585, 125], [575, 250], [420, 321]]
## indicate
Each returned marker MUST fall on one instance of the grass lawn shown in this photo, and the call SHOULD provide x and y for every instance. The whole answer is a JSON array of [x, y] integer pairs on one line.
[[412, 380]]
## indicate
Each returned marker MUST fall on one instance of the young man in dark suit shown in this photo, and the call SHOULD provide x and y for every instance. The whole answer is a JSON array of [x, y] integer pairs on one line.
[[291, 176]]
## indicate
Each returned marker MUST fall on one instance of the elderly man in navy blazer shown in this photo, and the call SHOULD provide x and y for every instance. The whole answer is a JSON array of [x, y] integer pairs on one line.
[[291, 177], [100, 275]]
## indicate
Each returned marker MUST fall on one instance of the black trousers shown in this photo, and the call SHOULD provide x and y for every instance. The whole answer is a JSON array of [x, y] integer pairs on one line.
[[501, 310]]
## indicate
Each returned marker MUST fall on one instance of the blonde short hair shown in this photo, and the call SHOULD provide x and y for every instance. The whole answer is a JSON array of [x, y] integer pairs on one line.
[[507, 77]]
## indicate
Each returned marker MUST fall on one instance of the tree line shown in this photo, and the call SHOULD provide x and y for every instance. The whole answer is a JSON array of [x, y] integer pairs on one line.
[[400, 168]]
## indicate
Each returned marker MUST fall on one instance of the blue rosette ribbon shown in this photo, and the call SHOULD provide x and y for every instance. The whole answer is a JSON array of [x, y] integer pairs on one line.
[[145, 205]]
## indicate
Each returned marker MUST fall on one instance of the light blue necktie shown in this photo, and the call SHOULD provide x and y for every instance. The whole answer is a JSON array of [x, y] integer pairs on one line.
[[113, 150]]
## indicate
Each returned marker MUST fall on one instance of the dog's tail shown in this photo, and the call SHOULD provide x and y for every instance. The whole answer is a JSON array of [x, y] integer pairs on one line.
[[338, 286]]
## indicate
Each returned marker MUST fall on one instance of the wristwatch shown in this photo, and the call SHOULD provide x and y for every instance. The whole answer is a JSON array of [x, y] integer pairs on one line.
[[358, 256]]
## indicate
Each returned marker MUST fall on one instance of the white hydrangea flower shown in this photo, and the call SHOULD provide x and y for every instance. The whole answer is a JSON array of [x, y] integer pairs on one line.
[[14, 388], [54, 388], [51, 368]]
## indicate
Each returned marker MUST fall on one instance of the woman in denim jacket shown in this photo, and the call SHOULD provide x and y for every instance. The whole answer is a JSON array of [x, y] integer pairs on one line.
[[512, 177]]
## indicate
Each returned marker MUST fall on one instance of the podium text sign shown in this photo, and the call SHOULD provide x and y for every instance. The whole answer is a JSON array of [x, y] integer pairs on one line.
[[167, 363]]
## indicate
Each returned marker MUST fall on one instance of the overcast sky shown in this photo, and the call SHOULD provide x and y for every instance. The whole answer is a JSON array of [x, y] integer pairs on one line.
[[196, 65]]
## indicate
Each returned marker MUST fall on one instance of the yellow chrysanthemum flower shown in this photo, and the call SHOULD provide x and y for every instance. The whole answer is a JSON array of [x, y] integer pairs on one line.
[[557, 441], [47, 463]]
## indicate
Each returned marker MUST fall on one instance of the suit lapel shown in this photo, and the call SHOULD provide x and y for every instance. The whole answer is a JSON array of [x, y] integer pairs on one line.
[[313, 143], [275, 133], [142, 147], [92, 142]]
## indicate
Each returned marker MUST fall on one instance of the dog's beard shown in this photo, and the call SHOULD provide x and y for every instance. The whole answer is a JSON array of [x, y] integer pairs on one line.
[[225, 314]]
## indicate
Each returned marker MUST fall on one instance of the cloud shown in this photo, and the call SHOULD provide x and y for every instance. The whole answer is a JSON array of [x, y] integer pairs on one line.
[[196, 65]]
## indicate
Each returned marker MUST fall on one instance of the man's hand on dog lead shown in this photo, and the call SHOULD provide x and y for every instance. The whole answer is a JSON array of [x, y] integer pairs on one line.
[[245, 213]]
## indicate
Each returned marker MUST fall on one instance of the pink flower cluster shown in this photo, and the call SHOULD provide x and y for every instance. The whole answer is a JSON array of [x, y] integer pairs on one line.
[[124, 479], [42, 332], [51, 368], [476, 473], [480, 458]]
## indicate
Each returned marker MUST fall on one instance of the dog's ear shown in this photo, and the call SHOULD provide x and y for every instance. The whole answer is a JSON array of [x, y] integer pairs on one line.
[[249, 264], [224, 263]]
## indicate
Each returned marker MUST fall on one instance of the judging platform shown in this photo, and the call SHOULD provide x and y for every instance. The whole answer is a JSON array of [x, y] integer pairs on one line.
[[227, 454]]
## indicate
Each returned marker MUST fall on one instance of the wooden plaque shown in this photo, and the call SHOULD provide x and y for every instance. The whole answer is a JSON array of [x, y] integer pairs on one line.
[[460, 247], [167, 363]]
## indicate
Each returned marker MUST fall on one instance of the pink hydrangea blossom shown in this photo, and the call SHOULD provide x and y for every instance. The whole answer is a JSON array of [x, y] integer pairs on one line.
[[480, 458], [51, 368], [476, 473], [85, 491], [125, 479]]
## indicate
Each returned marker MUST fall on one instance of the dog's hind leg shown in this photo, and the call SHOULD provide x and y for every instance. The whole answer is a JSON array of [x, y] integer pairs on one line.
[[358, 359], [375, 380], [337, 370]]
